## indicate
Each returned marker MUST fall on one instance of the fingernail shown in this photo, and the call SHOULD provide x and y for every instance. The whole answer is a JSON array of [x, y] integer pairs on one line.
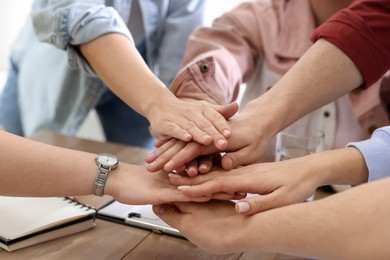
[[229, 163], [184, 187], [192, 172], [151, 155], [226, 133], [203, 168], [153, 165], [243, 206], [174, 175], [221, 142], [241, 193], [206, 138]]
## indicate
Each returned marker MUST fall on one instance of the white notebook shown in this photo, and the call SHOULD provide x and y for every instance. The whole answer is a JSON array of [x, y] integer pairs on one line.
[[136, 215], [28, 221]]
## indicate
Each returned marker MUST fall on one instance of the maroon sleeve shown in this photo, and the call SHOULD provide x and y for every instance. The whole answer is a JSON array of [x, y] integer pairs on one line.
[[362, 31]]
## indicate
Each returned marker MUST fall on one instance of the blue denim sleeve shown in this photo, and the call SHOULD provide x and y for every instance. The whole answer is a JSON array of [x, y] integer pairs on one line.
[[376, 153], [183, 16], [68, 23]]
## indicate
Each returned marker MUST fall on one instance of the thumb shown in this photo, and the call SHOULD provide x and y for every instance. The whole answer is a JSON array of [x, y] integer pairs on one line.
[[232, 160], [170, 214], [227, 111], [256, 204]]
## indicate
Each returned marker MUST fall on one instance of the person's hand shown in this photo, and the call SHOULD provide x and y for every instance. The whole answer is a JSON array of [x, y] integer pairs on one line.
[[246, 146], [199, 121], [278, 184], [213, 226], [131, 184], [249, 142], [191, 156]]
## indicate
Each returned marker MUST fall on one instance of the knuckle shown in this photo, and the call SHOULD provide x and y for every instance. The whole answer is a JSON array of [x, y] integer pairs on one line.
[[189, 125], [204, 123], [258, 205], [219, 183], [170, 127]]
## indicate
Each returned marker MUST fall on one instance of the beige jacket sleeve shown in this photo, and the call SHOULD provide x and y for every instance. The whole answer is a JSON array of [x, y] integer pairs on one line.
[[220, 58]]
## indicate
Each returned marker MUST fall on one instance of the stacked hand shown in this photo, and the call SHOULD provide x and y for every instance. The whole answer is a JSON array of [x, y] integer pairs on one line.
[[278, 184], [151, 188], [199, 121], [246, 146]]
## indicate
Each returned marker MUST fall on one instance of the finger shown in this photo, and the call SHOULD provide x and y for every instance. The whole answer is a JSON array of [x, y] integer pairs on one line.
[[191, 151], [205, 164], [192, 168], [227, 196], [159, 142], [201, 199], [229, 110], [260, 203], [219, 120], [179, 180], [170, 129], [218, 184], [243, 156], [195, 128], [164, 157], [217, 128], [160, 150]]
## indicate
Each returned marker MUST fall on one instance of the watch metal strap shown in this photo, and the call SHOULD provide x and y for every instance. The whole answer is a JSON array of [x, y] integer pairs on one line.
[[100, 180]]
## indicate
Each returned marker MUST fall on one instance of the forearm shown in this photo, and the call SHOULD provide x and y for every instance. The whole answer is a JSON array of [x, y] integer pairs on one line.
[[29, 168], [121, 67], [349, 225], [343, 166], [306, 86]]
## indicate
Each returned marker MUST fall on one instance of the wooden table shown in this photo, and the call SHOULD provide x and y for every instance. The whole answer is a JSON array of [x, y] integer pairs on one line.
[[114, 241]]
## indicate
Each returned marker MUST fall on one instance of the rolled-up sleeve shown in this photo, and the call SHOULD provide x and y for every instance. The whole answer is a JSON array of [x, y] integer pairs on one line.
[[376, 153], [220, 58], [67, 24], [362, 31]]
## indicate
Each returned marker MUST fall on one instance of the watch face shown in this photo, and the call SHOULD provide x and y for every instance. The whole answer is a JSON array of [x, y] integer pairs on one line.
[[107, 159]]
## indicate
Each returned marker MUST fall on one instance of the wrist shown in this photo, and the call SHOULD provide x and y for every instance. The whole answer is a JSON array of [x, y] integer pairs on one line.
[[264, 123], [344, 166], [111, 186], [156, 102]]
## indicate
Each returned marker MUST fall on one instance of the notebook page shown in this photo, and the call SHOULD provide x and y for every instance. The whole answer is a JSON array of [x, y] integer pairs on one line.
[[20, 216]]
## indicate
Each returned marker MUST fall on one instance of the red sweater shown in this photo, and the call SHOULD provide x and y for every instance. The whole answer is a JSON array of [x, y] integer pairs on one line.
[[362, 31]]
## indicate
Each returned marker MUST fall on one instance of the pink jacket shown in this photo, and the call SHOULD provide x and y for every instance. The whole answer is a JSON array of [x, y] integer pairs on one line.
[[257, 43]]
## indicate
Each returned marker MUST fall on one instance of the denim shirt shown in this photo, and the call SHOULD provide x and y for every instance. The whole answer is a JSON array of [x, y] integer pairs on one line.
[[61, 101]]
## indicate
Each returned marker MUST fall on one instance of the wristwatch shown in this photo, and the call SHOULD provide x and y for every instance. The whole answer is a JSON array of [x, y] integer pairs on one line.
[[106, 163]]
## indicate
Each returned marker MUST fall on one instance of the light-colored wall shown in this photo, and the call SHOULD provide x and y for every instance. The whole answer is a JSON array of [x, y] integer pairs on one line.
[[12, 16]]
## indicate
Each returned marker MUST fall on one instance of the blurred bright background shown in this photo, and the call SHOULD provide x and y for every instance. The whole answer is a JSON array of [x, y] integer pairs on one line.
[[13, 14]]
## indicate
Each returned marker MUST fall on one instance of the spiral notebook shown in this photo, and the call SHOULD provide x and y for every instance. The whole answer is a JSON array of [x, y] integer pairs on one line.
[[29, 221]]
